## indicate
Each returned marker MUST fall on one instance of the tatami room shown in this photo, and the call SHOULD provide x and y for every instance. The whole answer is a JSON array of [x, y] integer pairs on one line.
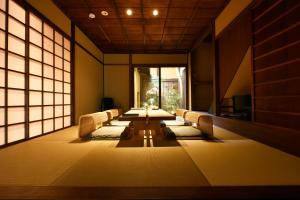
[[149, 99]]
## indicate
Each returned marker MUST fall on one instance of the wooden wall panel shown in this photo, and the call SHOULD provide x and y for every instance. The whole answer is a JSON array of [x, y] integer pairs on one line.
[[232, 45], [276, 45]]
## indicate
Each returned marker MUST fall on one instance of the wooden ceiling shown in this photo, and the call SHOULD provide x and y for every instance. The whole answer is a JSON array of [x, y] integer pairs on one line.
[[177, 27]]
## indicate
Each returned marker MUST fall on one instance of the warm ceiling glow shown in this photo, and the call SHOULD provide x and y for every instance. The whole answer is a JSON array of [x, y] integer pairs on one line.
[[104, 13], [155, 12], [129, 12], [92, 16]]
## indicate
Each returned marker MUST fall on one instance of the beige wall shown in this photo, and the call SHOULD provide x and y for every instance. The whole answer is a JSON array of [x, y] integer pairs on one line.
[[88, 83], [82, 39], [53, 13], [231, 11]]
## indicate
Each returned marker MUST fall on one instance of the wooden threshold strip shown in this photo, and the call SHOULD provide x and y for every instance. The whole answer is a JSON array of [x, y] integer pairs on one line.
[[204, 192]]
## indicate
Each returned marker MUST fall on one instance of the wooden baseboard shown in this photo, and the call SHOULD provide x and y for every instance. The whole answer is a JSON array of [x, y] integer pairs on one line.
[[281, 138]]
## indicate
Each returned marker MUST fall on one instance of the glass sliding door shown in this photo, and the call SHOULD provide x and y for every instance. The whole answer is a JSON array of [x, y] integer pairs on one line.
[[163, 87], [146, 87], [173, 88]]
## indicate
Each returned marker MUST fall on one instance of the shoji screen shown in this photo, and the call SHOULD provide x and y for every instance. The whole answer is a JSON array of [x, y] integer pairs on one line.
[[35, 84]]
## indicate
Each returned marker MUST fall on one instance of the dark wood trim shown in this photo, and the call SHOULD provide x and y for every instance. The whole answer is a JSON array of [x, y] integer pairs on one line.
[[73, 70], [88, 52], [27, 73], [281, 138], [131, 82], [200, 192], [216, 77], [266, 11], [159, 87], [6, 73], [116, 64]]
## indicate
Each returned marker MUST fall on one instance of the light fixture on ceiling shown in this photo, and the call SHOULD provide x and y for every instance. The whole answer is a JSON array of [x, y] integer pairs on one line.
[[104, 13], [155, 12], [92, 15], [129, 12]]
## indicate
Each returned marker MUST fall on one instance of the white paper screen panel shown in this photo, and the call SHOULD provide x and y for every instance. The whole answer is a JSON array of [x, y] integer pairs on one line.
[[16, 28], [48, 98], [35, 22], [2, 20], [48, 125], [67, 88], [67, 121], [35, 52], [35, 113], [16, 80], [48, 44], [48, 71], [58, 62], [58, 111], [58, 99], [67, 77], [58, 123], [67, 44], [48, 112], [16, 97], [35, 129], [2, 97], [3, 5], [67, 110], [16, 63], [58, 38], [35, 67], [48, 58], [67, 99], [2, 116], [67, 54], [2, 39], [2, 78], [16, 45], [48, 31], [58, 50], [67, 66], [58, 86], [35, 98], [48, 85], [2, 136], [58, 74], [2, 59], [16, 132], [35, 37], [15, 115], [17, 11], [35, 83]]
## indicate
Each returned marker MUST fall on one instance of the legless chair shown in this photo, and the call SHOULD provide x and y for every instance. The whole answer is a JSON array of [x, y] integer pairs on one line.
[[113, 118], [201, 126], [91, 126], [180, 121]]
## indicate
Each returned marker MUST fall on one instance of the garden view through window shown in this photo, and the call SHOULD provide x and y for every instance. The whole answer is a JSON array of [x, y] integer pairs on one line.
[[160, 87]]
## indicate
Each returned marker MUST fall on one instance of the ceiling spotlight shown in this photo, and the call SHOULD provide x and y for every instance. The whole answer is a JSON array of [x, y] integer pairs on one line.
[[104, 13], [155, 12], [92, 15], [129, 12]]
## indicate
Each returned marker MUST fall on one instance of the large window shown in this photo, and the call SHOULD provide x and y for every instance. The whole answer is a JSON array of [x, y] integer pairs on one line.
[[163, 87], [35, 84]]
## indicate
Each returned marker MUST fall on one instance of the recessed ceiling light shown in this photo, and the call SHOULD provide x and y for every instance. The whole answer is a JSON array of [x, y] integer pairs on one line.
[[92, 16], [129, 12], [155, 12], [104, 13]]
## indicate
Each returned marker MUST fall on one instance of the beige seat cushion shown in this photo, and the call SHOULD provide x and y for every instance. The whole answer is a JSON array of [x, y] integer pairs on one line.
[[185, 131], [119, 123], [173, 123], [108, 132]]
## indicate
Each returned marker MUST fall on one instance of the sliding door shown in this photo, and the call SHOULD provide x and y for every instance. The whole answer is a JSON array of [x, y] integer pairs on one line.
[[35, 83], [163, 87]]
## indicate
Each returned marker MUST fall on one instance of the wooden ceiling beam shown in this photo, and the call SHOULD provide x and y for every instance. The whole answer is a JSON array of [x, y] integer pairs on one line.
[[121, 23], [165, 22], [143, 24], [187, 24]]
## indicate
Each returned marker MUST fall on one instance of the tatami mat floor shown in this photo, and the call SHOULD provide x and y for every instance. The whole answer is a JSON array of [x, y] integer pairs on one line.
[[60, 159]]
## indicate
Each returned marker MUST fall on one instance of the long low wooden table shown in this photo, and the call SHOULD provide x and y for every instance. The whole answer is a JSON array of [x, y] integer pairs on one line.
[[146, 119]]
